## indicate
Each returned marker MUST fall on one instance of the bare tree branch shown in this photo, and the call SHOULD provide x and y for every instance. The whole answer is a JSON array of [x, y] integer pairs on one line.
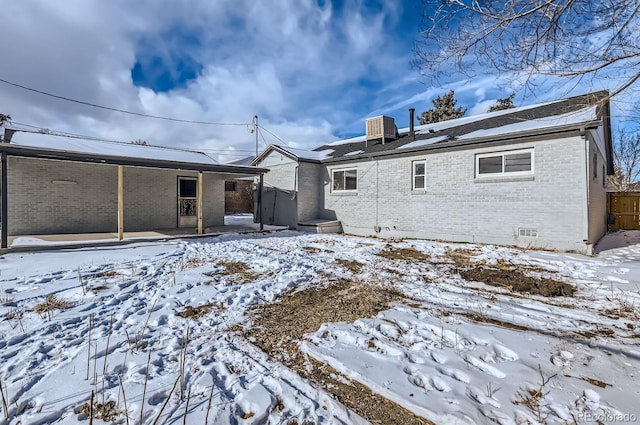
[[563, 38], [626, 161]]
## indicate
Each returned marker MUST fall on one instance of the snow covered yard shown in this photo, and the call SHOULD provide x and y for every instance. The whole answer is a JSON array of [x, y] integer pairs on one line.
[[201, 331]]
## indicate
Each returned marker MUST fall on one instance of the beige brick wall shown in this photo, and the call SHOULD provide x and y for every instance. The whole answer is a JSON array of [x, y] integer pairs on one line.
[[68, 197], [60, 197]]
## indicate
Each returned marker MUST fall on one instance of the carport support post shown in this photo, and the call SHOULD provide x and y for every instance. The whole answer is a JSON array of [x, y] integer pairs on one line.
[[260, 188], [3, 164], [199, 203], [120, 202]]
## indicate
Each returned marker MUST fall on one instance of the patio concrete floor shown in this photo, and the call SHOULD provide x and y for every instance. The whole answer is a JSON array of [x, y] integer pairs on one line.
[[242, 223]]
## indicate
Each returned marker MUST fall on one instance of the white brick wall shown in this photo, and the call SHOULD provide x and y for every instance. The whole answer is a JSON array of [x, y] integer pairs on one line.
[[69, 197], [457, 207]]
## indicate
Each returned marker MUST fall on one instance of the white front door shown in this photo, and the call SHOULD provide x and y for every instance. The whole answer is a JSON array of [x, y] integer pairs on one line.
[[187, 202]]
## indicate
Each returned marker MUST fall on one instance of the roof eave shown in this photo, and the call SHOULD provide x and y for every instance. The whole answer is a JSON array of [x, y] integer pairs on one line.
[[52, 154], [473, 141]]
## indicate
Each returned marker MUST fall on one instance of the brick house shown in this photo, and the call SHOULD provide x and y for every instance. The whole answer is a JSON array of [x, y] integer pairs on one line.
[[532, 176], [71, 186]]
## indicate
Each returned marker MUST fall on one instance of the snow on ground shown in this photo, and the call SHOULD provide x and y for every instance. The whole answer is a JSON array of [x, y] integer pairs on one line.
[[455, 352]]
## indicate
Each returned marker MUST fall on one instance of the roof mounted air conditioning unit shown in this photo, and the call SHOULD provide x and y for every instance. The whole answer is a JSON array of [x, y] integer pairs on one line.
[[381, 128]]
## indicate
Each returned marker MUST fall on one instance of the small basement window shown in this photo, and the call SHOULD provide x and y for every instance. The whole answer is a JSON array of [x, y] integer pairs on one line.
[[419, 175], [345, 180], [230, 186], [510, 163], [529, 233]]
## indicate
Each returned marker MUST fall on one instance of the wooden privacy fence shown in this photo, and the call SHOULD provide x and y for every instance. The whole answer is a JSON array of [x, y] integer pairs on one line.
[[624, 210]]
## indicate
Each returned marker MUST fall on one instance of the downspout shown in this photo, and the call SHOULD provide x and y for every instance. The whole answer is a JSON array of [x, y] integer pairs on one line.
[[4, 210], [260, 188], [377, 225], [588, 243], [295, 183]]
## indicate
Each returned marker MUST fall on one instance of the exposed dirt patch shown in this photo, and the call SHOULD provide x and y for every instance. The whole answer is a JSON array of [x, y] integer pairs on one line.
[[515, 280], [484, 319], [190, 312], [241, 270], [280, 326], [462, 256], [99, 288], [354, 266], [315, 250], [407, 254], [194, 262]]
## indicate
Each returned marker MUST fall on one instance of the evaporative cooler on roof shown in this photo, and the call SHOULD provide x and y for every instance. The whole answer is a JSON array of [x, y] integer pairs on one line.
[[381, 128]]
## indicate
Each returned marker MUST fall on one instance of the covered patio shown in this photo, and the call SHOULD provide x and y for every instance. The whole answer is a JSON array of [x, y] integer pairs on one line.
[[69, 193]]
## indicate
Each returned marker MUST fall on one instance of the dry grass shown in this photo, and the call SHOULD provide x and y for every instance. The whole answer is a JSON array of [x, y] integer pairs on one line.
[[595, 382], [354, 266], [6, 300], [462, 256], [484, 319], [105, 274], [190, 312], [14, 314], [406, 254], [315, 250], [515, 280], [52, 303], [279, 327], [107, 412], [241, 270], [593, 333]]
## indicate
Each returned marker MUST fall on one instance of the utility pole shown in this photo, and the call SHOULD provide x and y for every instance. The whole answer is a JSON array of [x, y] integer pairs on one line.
[[255, 130]]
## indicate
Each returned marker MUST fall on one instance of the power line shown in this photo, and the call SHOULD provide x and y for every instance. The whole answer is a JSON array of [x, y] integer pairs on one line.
[[279, 139], [139, 114], [49, 132]]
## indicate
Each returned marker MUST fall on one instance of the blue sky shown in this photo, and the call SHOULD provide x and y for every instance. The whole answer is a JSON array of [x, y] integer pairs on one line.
[[311, 70]]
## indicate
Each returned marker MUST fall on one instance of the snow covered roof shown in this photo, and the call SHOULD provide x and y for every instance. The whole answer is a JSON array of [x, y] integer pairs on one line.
[[115, 153], [127, 150], [574, 112], [296, 154]]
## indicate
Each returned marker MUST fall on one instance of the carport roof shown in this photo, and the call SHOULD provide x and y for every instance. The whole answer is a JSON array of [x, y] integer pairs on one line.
[[129, 155]]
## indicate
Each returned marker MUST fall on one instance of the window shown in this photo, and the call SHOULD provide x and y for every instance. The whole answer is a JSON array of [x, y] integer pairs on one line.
[[230, 186], [345, 180], [505, 163], [595, 165], [187, 188], [419, 174], [531, 233]]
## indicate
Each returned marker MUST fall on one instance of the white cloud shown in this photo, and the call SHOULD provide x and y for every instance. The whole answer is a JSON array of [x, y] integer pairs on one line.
[[297, 65]]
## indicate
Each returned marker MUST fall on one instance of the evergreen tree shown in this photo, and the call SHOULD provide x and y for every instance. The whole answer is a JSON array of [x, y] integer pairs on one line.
[[504, 103], [444, 108]]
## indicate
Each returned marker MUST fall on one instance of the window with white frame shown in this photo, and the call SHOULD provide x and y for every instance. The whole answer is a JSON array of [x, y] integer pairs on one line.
[[509, 163], [419, 175], [345, 180]]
